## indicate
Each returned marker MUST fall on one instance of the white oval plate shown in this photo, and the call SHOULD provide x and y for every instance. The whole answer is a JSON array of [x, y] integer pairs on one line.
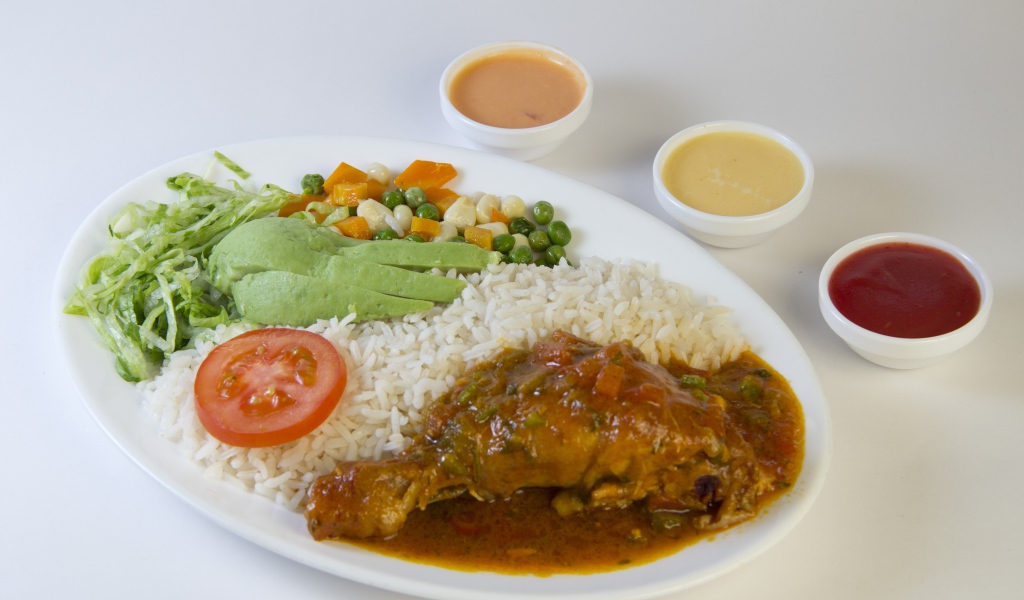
[[602, 225]]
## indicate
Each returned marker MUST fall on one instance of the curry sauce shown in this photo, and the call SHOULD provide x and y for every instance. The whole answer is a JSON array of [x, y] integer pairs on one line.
[[522, 533]]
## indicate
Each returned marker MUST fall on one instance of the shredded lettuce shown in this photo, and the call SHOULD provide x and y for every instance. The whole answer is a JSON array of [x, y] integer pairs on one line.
[[148, 294], [230, 164]]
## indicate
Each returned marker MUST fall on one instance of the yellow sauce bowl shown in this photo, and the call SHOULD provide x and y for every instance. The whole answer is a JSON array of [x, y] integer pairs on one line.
[[731, 231]]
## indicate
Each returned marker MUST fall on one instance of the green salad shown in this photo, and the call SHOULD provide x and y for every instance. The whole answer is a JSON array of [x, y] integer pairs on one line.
[[148, 294]]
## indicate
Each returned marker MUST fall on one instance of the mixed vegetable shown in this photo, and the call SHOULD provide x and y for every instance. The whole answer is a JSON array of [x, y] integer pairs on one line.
[[421, 208]]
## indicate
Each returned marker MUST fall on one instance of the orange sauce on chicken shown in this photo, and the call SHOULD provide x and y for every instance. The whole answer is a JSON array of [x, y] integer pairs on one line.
[[522, 534]]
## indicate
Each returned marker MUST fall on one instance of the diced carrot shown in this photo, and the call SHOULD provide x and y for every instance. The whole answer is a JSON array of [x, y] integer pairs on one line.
[[425, 174], [375, 189], [609, 380], [301, 204], [345, 173], [468, 525], [354, 227], [298, 203], [442, 198], [428, 229], [649, 392], [347, 194], [499, 217], [480, 237], [438, 194]]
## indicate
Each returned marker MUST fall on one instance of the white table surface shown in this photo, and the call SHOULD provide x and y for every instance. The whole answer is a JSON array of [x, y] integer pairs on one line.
[[913, 113]]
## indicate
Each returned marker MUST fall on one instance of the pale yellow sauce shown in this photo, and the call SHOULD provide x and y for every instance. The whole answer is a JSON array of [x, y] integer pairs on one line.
[[733, 173], [517, 89]]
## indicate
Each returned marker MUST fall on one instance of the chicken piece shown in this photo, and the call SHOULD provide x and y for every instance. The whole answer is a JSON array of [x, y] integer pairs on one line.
[[603, 424]]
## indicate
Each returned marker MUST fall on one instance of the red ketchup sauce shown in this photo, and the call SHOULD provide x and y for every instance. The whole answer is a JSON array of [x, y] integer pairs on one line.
[[904, 290]]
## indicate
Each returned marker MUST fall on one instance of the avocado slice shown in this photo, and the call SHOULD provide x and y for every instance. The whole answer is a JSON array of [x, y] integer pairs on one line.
[[296, 246], [283, 298]]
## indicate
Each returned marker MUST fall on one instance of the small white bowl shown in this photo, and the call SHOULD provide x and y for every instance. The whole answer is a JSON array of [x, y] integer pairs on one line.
[[895, 352], [723, 231], [523, 144]]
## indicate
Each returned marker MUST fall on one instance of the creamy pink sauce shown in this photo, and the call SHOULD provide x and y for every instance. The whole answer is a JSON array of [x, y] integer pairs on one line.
[[517, 89]]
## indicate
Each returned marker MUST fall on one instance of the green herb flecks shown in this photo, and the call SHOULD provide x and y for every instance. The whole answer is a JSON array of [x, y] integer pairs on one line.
[[693, 381], [535, 420]]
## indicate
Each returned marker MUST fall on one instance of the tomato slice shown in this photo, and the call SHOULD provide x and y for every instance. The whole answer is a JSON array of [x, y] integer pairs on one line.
[[268, 387]]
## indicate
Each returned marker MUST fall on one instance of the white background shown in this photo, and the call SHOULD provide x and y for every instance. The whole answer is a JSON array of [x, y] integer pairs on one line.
[[912, 112]]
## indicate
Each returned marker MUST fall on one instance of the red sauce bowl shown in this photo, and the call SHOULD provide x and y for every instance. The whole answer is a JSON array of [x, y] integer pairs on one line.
[[904, 300]]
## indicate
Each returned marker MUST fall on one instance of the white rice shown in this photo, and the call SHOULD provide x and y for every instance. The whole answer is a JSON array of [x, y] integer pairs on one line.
[[397, 368]]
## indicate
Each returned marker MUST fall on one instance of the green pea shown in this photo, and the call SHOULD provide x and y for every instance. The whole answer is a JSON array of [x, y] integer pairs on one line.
[[554, 254], [412, 237], [521, 255], [386, 234], [543, 212], [559, 233], [751, 388], [693, 381], [452, 465], [486, 414], [467, 394], [392, 198], [541, 261], [313, 184], [504, 243], [535, 420], [428, 211], [539, 241], [521, 225], [458, 239], [415, 197], [663, 520]]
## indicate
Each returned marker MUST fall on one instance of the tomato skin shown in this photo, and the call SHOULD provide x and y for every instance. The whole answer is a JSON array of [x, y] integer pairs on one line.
[[268, 387]]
